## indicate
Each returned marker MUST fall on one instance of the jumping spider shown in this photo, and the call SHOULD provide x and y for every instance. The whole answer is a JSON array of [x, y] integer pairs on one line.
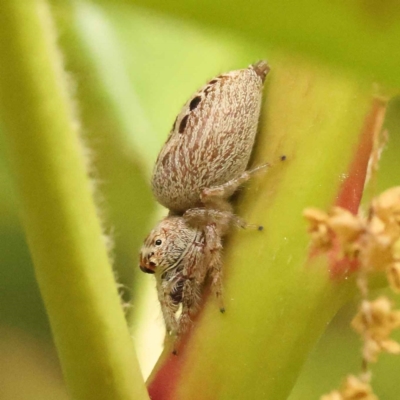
[[199, 168]]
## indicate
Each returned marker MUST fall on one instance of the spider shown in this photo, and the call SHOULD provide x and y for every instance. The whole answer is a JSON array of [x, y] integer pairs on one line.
[[201, 165]]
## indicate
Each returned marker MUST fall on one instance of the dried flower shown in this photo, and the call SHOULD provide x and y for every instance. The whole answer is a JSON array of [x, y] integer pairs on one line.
[[335, 395], [339, 224], [375, 321], [384, 229], [352, 388], [321, 236], [348, 228], [393, 275], [387, 208], [346, 225]]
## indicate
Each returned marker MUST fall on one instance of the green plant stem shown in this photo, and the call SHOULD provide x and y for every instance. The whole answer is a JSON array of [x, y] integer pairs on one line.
[[278, 297], [58, 211]]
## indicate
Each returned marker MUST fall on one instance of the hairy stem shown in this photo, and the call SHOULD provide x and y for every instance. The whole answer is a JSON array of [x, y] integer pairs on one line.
[[58, 211]]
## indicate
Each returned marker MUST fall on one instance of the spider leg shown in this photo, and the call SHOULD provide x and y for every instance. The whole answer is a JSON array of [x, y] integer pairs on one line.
[[191, 296], [168, 307], [201, 217], [215, 194], [213, 248], [241, 223]]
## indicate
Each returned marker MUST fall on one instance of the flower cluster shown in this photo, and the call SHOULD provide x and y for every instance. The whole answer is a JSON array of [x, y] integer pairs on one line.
[[374, 241], [352, 388], [339, 225], [375, 321]]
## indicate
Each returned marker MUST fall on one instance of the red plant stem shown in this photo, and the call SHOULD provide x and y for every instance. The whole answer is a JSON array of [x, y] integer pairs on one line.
[[351, 190]]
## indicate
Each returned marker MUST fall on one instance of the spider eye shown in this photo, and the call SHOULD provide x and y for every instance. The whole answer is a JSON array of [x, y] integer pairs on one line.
[[158, 242]]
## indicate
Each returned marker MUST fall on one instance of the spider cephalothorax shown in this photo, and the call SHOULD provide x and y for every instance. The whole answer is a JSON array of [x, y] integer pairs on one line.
[[166, 245]]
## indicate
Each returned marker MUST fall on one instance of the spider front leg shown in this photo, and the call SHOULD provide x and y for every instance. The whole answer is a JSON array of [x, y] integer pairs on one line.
[[191, 295], [168, 307], [214, 224], [190, 304], [213, 248]]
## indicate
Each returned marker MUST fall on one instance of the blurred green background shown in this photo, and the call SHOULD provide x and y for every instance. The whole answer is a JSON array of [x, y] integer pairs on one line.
[[132, 66]]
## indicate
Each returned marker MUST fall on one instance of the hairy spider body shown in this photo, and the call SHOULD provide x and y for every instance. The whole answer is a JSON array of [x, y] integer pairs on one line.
[[201, 165]]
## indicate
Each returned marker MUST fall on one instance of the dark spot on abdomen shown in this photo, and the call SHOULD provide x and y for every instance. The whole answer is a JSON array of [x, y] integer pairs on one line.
[[182, 125], [194, 103]]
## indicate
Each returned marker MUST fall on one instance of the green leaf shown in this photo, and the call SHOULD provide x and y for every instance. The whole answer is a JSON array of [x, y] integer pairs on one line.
[[360, 36]]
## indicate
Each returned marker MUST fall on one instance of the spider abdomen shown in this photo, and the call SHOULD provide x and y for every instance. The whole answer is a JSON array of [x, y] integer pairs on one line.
[[211, 140]]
